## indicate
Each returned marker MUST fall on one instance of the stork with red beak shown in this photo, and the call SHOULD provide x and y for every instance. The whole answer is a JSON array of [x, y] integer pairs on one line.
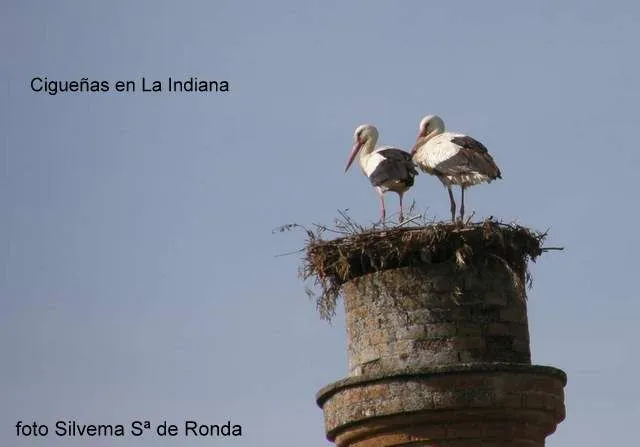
[[454, 158], [388, 168]]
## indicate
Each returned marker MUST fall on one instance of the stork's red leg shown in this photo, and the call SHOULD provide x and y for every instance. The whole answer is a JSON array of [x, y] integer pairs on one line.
[[382, 210], [453, 204], [462, 205]]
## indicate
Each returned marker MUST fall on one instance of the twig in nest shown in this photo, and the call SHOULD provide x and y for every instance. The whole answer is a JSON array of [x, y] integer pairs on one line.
[[289, 253], [473, 213], [419, 216], [294, 226]]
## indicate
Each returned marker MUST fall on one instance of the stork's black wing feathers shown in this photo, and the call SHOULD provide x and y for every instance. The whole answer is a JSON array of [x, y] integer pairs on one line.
[[397, 165], [476, 158], [396, 154], [470, 144]]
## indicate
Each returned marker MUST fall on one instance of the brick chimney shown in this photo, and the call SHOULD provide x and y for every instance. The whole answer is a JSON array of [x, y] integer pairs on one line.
[[438, 342]]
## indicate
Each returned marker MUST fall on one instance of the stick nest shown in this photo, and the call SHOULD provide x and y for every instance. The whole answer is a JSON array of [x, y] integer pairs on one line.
[[334, 262]]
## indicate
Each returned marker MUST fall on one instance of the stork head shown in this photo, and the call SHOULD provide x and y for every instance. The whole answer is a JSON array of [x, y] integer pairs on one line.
[[365, 135], [429, 126]]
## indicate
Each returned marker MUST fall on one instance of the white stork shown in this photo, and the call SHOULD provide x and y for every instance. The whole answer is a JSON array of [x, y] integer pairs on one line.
[[388, 168], [456, 159]]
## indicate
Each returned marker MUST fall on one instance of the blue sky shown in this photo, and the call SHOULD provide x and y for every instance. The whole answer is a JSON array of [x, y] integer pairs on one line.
[[139, 270]]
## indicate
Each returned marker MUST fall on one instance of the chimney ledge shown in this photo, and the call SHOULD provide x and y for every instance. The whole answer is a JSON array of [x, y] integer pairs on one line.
[[328, 391]]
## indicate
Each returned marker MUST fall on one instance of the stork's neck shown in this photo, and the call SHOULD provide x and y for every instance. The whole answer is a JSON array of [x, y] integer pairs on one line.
[[421, 141], [436, 131], [365, 152]]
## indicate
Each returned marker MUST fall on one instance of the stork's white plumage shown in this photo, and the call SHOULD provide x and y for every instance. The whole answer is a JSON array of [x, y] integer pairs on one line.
[[456, 159], [388, 168]]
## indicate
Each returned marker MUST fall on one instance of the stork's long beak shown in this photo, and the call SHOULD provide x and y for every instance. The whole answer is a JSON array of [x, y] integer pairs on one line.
[[354, 151], [417, 144]]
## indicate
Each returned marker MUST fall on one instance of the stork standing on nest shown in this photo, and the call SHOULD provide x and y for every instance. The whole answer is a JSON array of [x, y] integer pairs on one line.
[[388, 168], [456, 159]]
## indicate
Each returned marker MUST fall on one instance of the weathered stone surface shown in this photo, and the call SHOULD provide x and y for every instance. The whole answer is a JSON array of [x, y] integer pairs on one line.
[[434, 315], [492, 404]]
